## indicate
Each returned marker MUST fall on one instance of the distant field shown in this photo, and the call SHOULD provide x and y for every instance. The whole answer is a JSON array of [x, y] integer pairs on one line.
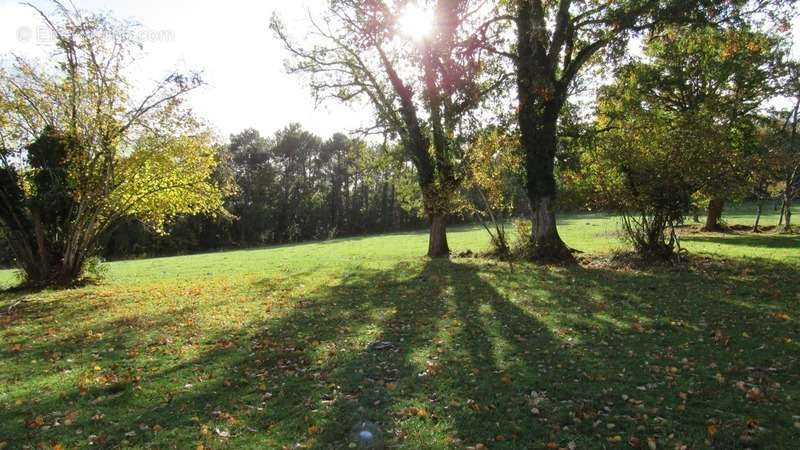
[[590, 233], [270, 348]]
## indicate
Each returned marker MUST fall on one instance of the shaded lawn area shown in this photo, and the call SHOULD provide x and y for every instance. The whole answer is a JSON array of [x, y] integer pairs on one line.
[[484, 355]]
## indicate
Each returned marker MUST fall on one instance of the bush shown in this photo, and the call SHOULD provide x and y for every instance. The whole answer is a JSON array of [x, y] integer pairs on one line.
[[522, 246], [652, 236], [648, 164], [95, 268]]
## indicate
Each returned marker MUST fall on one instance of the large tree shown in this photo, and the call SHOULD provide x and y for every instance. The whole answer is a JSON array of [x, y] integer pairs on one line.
[[424, 88], [787, 147], [723, 76], [556, 40], [78, 154]]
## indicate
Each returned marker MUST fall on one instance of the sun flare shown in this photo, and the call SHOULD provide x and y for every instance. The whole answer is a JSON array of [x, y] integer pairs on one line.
[[416, 22]]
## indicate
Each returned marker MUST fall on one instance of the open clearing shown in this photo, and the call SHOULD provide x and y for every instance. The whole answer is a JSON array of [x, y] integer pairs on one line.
[[271, 348]]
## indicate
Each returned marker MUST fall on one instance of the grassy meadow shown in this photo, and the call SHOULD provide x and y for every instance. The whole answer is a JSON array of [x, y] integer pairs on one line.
[[271, 348]]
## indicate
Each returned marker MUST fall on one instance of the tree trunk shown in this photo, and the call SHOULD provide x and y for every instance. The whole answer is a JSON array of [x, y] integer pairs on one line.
[[759, 208], [787, 216], [547, 244], [715, 207], [56, 274], [392, 206], [780, 215], [437, 241], [539, 140]]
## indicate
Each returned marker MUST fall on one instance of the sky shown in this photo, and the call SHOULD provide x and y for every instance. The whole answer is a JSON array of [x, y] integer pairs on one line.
[[231, 44], [228, 41]]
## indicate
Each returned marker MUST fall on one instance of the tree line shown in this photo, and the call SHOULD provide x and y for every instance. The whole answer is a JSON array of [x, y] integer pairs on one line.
[[289, 187], [480, 116]]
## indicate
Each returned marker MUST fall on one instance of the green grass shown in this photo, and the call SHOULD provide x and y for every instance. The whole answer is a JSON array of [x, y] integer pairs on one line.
[[269, 349]]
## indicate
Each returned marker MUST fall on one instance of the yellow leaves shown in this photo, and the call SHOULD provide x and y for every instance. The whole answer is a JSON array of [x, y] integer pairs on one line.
[[494, 156], [413, 411], [166, 177], [712, 430], [754, 47], [729, 51], [314, 429], [616, 439]]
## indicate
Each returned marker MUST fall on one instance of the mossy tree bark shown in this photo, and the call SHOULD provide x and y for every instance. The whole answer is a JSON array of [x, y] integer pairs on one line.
[[437, 241], [715, 207]]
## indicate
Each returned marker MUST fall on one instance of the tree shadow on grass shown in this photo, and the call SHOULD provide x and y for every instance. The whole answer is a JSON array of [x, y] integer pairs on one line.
[[479, 354], [772, 241]]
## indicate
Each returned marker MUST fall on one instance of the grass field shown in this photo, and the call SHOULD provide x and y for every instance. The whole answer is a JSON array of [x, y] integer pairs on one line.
[[270, 349]]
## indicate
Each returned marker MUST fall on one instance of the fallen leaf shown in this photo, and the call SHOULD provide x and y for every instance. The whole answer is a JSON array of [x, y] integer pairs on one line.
[[754, 394], [37, 422]]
